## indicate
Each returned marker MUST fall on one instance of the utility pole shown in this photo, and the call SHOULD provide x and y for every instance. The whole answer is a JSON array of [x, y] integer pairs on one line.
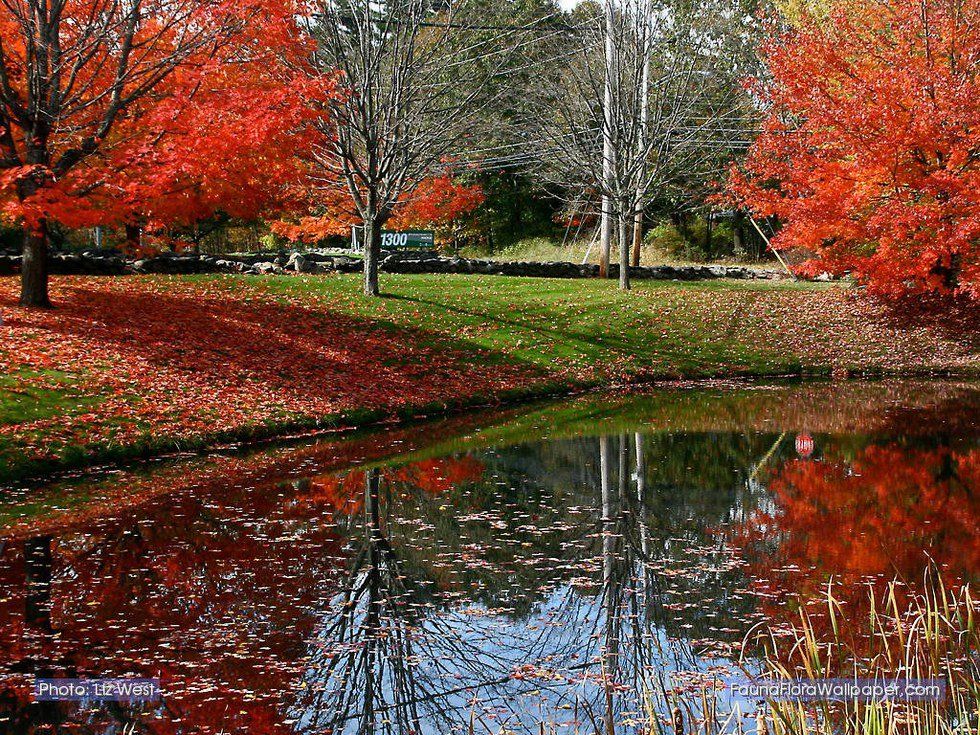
[[608, 153], [644, 124]]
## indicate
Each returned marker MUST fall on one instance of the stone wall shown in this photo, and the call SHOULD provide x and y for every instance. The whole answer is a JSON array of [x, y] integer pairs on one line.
[[104, 263]]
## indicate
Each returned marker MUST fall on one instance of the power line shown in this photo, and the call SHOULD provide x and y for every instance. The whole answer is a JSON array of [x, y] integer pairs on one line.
[[460, 26]]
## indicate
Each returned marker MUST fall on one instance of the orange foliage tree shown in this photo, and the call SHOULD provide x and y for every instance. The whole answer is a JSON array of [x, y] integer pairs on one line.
[[439, 201], [868, 153], [106, 106], [223, 146]]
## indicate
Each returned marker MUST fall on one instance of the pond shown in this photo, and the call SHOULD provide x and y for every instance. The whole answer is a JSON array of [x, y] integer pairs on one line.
[[552, 568]]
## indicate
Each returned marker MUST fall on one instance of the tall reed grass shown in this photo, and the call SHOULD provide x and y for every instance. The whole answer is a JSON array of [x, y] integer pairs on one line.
[[930, 634], [896, 634]]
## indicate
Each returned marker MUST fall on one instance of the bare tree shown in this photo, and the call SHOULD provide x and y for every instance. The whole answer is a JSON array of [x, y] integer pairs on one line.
[[68, 72], [412, 78], [643, 104]]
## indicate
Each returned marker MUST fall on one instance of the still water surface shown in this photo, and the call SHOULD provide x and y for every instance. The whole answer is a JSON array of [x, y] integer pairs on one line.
[[496, 572]]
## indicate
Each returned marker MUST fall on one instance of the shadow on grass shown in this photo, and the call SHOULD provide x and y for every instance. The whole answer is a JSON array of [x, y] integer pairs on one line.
[[278, 346], [594, 340], [953, 319], [677, 346]]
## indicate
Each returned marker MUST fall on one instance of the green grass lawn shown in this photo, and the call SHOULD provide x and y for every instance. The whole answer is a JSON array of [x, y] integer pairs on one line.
[[21, 401], [667, 329]]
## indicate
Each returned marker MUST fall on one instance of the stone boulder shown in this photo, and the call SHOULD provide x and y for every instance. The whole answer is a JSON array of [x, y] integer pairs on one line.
[[266, 268]]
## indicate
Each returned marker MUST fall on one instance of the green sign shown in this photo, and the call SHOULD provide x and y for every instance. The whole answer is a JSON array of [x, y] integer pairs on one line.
[[408, 240], [392, 240]]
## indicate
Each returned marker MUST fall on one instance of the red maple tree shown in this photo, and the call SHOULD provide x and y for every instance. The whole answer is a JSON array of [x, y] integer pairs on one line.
[[223, 145], [110, 109], [868, 153]]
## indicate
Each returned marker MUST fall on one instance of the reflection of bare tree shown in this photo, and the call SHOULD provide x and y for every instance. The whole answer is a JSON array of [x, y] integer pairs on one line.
[[638, 655], [383, 662], [609, 585], [646, 575], [366, 641]]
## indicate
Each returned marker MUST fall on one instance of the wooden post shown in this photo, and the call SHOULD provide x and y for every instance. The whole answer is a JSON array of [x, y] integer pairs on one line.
[[769, 245]]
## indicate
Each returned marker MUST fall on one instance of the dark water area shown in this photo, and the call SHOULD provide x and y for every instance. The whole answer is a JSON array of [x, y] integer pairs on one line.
[[548, 568]]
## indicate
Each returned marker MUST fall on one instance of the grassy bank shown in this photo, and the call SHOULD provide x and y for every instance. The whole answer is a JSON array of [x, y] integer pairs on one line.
[[136, 366]]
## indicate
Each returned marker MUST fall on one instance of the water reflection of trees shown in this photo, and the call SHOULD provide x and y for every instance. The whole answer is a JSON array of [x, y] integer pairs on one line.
[[210, 595], [563, 578], [372, 659], [865, 515], [625, 578], [465, 586], [533, 583]]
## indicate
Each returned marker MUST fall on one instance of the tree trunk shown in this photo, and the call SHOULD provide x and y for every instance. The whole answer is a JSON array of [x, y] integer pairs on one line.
[[34, 268], [949, 272], [625, 227], [637, 238], [134, 236], [738, 236], [34, 263], [606, 235], [608, 147], [372, 254], [709, 235]]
